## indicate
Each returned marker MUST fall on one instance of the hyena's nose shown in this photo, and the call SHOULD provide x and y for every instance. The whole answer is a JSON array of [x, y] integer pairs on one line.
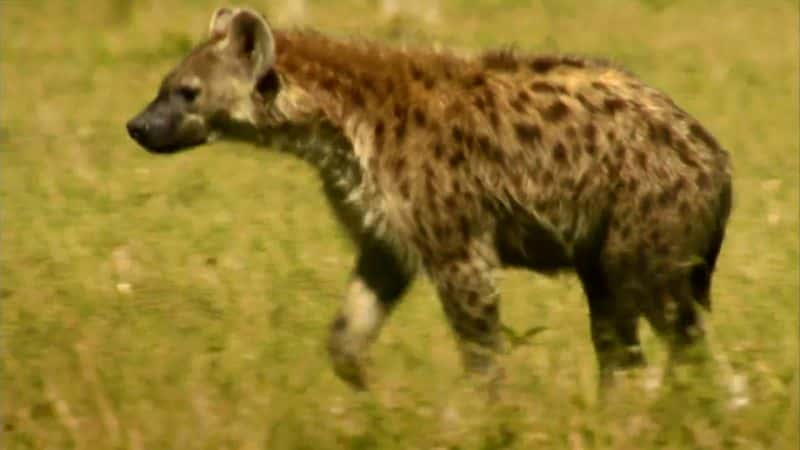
[[137, 129]]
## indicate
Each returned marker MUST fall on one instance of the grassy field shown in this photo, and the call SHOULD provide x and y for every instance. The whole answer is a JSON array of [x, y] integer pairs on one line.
[[182, 302]]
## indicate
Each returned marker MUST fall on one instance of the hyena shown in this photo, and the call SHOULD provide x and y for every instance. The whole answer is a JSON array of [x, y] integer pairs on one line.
[[459, 166]]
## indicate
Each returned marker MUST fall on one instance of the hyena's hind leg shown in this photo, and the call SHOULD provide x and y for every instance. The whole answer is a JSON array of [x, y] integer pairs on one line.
[[613, 310], [379, 280], [614, 323], [674, 313]]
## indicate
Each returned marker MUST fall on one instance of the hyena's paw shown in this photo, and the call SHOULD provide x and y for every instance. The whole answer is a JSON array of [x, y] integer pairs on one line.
[[348, 361]]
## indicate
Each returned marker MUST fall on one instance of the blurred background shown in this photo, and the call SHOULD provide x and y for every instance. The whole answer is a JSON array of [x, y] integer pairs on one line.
[[183, 302]]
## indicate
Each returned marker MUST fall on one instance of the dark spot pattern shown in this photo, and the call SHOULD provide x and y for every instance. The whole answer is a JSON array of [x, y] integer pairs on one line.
[[457, 134], [560, 153], [400, 132], [457, 160], [475, 81], [544, 64], [419, 117], [357, 98], [416, 72], [502, 60], [613, 105], [645, 205], [380, 130], [700, 133], [438, 150], [556, 112], [528, 132]]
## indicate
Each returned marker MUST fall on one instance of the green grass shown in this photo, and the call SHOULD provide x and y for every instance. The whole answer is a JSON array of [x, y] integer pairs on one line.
[[182, 302]]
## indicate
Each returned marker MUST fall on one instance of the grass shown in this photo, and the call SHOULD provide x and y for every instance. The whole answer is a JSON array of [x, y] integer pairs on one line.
[[182, 302]]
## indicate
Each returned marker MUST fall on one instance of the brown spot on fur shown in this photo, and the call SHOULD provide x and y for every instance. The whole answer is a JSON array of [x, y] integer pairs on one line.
[[494, 119], [429, 83], [368, 83], [613, 105], [645, 205], [475, 81], [419, 117], [546, 176], [599, 85], [660, 132], [463, 224], [518, 106], [457, 159], [484, 142], [357, 98], [620, 150], [699, 132], [557, 111], [416, 72], [405, 188], [528, 132], [400, 132], [380, 129], [479, 103], [685, 155], [544, 64], [666, 197], [438, 150], [590, 132], [328, 84], [400, 112], [560, 153], [502, 60], [457, 133], [624, 231], [641, 160]]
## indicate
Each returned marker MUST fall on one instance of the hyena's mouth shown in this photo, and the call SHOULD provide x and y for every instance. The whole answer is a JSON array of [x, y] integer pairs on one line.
[[151, 142]]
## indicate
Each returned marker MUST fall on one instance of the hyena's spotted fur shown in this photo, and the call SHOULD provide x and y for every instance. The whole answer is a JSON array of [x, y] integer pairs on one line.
[[465, 165]]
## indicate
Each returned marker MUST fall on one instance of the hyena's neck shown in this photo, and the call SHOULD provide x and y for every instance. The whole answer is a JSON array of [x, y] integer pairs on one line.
[[324, 147]]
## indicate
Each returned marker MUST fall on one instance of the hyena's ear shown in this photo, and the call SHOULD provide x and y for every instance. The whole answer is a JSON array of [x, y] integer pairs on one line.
[[250, 38], [220, 22]]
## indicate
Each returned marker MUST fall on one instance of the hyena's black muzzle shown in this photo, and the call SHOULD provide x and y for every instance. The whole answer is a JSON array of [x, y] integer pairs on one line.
[[165, 126]]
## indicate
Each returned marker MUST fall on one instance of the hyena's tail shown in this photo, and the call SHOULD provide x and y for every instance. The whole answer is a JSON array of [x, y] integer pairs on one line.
[[702, 273]]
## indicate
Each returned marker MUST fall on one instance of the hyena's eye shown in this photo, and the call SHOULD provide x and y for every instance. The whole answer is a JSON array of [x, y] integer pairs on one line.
[[188, 93]]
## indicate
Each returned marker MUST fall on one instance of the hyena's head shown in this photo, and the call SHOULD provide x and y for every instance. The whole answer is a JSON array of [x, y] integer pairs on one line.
[[213, 90]]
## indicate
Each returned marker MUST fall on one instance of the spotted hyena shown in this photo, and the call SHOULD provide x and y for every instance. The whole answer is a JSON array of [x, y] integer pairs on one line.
[[459, 166]]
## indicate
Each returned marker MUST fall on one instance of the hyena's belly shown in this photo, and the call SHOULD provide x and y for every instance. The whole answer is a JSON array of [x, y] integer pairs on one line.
[[526, 242]]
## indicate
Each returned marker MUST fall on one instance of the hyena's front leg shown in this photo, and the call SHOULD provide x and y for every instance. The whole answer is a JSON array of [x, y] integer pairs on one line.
[[379, 280], [470, 301]]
